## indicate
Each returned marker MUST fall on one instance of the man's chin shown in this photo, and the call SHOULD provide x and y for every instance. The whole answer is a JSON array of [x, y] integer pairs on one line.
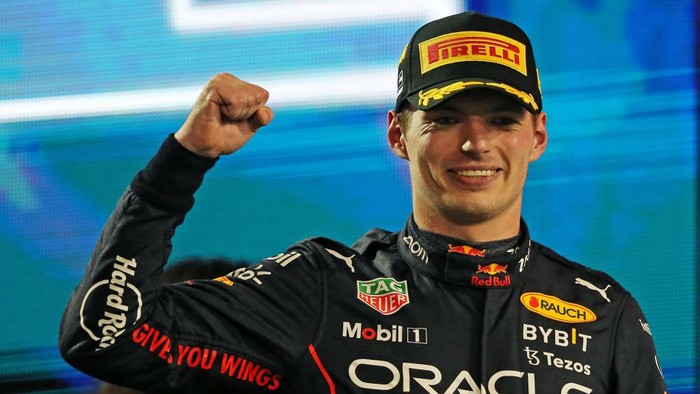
[[469, 214]]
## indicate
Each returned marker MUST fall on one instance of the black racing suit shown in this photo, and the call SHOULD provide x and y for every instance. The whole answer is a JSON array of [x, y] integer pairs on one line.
[[396, 313]]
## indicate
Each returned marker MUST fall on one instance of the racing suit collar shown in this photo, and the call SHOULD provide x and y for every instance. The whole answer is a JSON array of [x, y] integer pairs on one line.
[[436, 256]]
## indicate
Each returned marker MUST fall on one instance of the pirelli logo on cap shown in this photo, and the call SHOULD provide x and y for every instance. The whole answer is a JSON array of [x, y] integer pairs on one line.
[[472, 46]]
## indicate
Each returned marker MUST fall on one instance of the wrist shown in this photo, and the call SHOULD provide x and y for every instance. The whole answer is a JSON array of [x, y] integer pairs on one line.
[[186, 141]]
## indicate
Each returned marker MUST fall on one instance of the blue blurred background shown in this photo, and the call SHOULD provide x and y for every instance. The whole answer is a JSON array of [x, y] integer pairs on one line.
[[89, 89]]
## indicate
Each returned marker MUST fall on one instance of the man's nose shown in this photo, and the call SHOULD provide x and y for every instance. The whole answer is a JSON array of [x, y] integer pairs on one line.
[[475, 135]]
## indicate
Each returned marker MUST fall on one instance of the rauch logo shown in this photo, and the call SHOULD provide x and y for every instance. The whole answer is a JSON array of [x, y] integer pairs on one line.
[[553, 308]]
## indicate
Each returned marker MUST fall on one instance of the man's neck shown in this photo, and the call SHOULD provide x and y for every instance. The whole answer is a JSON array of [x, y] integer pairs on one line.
[[491, 229]]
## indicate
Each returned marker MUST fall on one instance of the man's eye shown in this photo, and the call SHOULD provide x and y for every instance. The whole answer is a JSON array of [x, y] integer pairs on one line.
[[444, 120], [503, 121]]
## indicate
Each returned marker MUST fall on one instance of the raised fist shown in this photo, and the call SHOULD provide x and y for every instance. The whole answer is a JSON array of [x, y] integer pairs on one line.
[[225, 116]]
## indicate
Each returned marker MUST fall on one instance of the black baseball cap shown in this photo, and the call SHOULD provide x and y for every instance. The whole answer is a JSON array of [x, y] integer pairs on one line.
[[465, 51]]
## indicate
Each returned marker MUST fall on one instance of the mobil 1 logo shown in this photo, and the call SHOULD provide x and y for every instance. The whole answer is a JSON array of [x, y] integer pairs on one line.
[[393, 333]]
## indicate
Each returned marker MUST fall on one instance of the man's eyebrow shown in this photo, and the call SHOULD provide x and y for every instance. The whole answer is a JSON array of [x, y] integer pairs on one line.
[[510, 106], [503, 106], [506, 104]]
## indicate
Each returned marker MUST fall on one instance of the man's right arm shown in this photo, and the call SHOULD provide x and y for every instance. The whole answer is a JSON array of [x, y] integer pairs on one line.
[[121, 284], [121, 287]]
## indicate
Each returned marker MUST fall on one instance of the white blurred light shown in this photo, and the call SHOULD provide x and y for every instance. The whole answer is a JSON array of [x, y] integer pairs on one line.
[[359, 86], [269, 15], [370, 86]]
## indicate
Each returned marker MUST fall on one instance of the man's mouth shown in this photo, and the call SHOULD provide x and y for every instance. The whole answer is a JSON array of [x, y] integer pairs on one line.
[[476, 173]]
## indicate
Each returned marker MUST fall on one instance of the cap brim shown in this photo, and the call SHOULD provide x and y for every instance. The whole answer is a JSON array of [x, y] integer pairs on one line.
[[433, 95]]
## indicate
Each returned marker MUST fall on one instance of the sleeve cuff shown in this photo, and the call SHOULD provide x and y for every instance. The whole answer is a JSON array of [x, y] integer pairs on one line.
[[172, 176]]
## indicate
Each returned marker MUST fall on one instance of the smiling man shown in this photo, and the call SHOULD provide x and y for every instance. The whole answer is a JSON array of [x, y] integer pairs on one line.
[[468, 161], [460, 300]]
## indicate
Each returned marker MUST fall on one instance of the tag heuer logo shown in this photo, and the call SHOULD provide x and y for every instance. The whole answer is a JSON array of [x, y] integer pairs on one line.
[[385, 295]]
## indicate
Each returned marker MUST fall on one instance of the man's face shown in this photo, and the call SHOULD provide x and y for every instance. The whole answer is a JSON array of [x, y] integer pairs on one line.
[[469, 156]]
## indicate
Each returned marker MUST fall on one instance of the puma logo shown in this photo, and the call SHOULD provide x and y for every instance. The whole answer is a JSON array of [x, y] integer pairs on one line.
[[347, 260], [588, 284]]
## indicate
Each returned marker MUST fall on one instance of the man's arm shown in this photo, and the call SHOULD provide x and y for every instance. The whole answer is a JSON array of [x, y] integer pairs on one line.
[[636, 367], [121, 325]]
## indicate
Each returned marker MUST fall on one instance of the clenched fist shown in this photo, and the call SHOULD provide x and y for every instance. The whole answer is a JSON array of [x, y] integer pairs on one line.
[[225, 116]]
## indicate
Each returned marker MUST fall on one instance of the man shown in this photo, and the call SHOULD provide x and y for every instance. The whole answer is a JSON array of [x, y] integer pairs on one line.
[[459, 301]]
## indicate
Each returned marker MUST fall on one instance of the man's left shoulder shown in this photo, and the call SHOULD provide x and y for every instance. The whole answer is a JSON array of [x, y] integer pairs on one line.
[[580, 277]]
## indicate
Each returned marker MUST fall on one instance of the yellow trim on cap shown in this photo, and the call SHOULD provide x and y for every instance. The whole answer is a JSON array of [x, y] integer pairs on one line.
[[403, 54], [438, 94]]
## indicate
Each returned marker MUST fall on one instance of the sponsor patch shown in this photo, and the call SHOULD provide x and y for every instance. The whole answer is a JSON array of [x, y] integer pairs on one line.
[[492, 269], [225, 280], [536, 357], [252, 273], [496, 276], [204, 358], [394, 333], [377, 375], [346, 259], [385, 295], [466, 249], [553, 308], [523, 260], [472, 46], [119, 300], [284, 259], [603, 292], [559, 338], [416, 248]]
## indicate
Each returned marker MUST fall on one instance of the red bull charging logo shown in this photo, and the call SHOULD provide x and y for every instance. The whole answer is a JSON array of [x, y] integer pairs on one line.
[[492, 269], [467, 250]]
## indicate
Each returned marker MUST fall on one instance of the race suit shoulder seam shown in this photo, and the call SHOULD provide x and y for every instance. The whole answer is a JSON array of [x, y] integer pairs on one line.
[[613, 339], [312, 246], [551, 254]]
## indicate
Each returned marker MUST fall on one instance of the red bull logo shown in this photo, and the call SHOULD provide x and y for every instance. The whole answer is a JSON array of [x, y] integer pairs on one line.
[[466, 249], [491, 281], [492, 269]]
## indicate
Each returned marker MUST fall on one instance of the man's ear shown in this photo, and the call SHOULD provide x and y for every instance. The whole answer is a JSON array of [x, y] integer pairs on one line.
[[541, 137], [395, 135]]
